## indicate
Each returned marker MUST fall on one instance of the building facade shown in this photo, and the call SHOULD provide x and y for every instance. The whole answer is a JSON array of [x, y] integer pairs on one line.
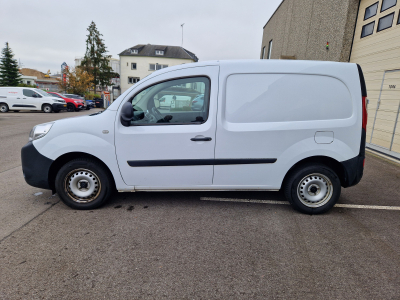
[[376, 48], [366, 32], [141, 60]]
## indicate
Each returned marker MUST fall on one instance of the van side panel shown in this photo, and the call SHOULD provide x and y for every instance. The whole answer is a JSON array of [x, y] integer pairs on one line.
[[276, 111]]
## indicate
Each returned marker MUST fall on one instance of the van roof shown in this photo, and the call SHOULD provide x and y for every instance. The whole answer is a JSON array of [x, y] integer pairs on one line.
[[261, 64]]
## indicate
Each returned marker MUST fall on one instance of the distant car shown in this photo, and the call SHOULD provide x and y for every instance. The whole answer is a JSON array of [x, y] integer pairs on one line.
[[168, 101], [88, 103], [22, 98], [198, 103], [72, 104]]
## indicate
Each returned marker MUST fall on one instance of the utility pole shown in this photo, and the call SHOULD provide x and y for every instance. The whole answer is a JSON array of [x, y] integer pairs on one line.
[[182, 34]]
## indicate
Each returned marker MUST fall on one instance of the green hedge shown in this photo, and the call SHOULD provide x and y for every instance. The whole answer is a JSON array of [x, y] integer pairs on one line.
[[91, 96]]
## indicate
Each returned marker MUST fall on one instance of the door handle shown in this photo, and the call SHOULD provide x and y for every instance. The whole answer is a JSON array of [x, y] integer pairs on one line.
[[201, 139]]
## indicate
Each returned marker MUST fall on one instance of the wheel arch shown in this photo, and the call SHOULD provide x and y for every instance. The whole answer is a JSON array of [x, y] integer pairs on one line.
[[330, 162], [43, 105], [63, 159]]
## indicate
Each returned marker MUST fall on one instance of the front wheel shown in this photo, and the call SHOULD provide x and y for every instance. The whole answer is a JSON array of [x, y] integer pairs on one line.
[[84, 184], [312, 189], [47, 109], [3, 108], [70, 108]]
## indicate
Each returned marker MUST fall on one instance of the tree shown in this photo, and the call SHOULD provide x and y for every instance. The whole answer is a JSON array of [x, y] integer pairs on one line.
[[78, 81], [9, 72], [96, 60]]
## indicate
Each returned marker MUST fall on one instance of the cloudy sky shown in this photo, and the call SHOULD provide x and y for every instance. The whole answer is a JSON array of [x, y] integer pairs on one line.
[[45, 33]]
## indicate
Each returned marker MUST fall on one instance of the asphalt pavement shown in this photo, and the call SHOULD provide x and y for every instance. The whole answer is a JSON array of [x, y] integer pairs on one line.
[[178, 246]]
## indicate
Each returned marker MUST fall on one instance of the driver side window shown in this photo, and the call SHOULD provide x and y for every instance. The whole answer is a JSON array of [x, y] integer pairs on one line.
[[179, 101]]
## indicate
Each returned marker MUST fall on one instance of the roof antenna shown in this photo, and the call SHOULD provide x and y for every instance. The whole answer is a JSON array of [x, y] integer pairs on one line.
[[182, 34]]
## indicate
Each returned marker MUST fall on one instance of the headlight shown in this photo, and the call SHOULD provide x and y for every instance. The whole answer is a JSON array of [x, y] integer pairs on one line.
[[39, 131]]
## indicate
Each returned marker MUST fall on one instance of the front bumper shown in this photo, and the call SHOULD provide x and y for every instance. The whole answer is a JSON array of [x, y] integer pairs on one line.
[[35, 167], [59, 106]]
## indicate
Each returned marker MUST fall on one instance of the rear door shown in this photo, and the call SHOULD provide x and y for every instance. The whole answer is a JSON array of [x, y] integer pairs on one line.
[[170, 147]]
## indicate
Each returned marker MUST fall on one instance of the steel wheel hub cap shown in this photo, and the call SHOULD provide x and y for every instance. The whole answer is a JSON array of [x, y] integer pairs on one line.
[[315, 190], [83, 186]]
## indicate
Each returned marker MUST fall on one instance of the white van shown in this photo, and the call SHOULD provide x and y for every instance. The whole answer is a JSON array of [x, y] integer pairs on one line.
[[173, 101], [23, 98], [265, 125]]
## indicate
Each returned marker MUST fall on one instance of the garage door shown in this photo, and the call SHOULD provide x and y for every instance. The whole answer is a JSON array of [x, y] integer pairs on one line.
[[386, 127]]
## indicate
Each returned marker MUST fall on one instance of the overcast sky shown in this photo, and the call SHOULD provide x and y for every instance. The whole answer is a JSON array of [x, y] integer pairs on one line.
[[45, 33]]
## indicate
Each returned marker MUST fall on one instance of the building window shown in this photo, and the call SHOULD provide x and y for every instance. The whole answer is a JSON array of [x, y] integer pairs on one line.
[[368, 29], [269, 49], [133, 66], [132, 80], [134, 51], [153, 67], [385, 22], [370, 11], [159, 52], [386, 4], [263, 53], [28, 82]]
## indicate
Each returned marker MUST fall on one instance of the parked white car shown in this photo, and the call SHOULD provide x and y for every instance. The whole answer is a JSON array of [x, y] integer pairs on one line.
[[173, 101], [265, 125], [22, 98]]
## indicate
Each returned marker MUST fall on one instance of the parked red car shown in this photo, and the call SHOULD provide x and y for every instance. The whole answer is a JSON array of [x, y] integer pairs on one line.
[[72, 104]]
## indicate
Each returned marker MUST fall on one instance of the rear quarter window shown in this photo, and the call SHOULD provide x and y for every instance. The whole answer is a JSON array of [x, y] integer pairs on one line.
[[260, 98]]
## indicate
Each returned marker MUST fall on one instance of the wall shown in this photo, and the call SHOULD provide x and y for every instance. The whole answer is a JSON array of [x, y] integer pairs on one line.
[[376, 54], [142, 67], [301, 28]]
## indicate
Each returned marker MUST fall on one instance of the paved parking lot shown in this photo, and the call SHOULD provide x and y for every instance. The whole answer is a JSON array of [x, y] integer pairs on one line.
[[193, 245]]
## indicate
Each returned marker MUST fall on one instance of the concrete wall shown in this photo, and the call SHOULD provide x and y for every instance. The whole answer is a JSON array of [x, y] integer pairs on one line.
[[301, 28], [142, 67]]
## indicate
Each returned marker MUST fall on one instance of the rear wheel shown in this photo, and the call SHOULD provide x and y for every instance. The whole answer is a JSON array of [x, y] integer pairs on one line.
[[3, 108], [84, 184], [47, 108], [312, 189]]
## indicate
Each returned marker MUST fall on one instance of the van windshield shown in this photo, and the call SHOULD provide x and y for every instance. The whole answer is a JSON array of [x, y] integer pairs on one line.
[[43, 93]]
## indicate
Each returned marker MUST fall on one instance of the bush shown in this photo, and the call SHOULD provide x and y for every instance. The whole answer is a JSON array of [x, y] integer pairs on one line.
[[27, 85], [91, 96]]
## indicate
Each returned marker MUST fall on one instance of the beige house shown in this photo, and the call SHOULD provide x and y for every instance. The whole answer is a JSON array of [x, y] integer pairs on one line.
[[366, 32], [141, 60]]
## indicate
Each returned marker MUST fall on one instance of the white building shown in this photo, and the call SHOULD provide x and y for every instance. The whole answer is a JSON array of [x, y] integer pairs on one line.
[[113, 63], [31, 80], [141, 60]]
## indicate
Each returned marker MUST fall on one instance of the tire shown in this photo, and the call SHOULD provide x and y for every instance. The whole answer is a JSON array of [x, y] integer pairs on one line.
[[47, 108], [312, 189], [70, 108], [3, 107], [97, 188]]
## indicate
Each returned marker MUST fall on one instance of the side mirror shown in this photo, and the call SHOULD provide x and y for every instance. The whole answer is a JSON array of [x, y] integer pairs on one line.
[[126, 114]]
